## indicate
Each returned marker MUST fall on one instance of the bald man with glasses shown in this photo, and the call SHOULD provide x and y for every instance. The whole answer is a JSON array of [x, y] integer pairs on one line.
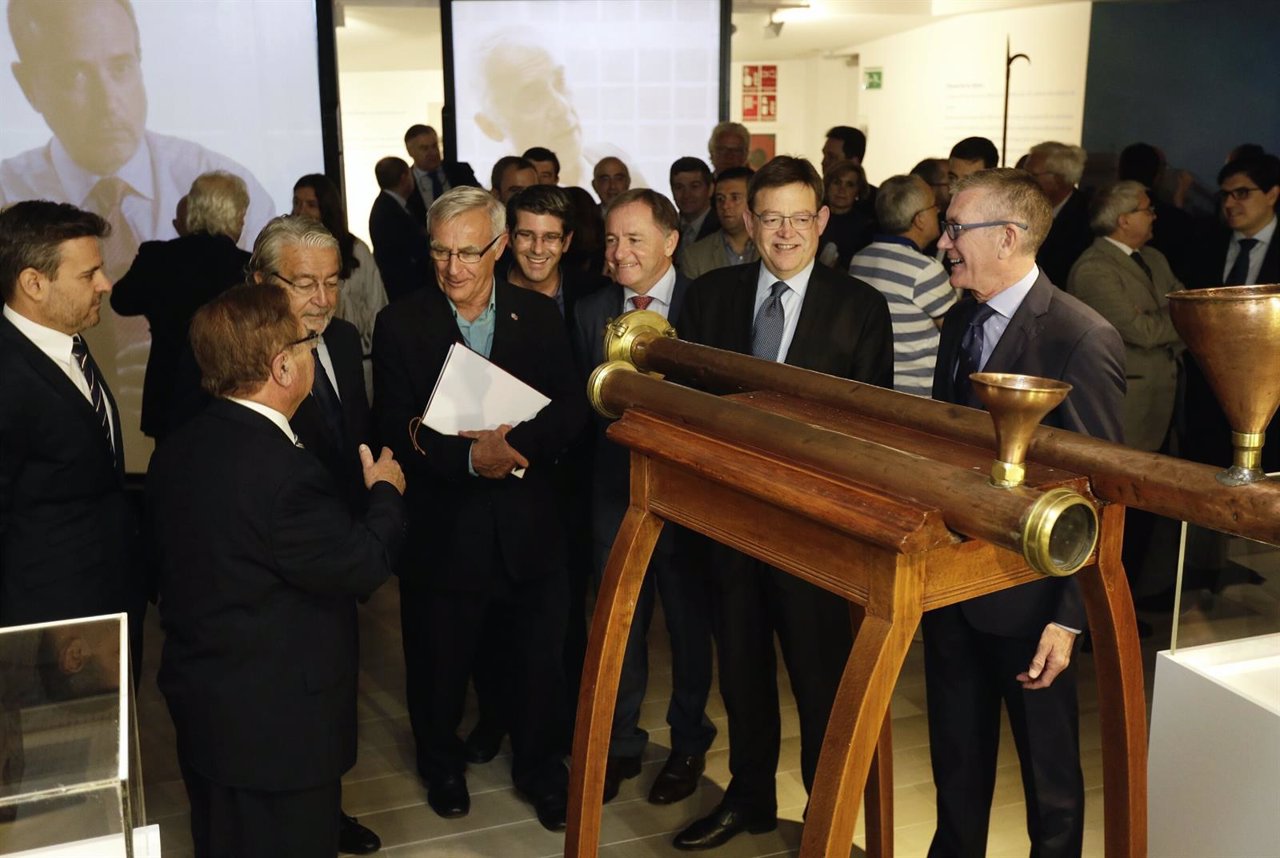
[[486, 547]]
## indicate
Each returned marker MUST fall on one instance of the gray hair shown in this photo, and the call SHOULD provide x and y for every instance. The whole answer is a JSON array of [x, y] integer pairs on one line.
[[216, 204], [1063, 160], [729, 128], [459, 201], [287, 231], [899, 200], [1011, 194], [1110, 203]]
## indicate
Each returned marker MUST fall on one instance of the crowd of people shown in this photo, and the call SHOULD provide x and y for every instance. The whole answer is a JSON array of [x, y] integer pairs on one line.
[[293, 475]]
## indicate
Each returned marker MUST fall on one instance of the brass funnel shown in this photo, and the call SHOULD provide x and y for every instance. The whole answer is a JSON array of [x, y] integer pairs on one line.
[[1017, 404], [1234, 332]]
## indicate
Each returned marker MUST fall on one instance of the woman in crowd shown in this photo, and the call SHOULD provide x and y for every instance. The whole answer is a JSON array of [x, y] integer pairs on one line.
[[849, 229]]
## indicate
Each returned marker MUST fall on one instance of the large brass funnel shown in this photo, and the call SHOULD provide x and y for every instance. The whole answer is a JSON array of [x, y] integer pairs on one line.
[[1017, 404], [1234, 333]]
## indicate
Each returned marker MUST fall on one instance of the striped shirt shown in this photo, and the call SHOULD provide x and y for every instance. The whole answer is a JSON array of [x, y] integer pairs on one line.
[[918, 291]]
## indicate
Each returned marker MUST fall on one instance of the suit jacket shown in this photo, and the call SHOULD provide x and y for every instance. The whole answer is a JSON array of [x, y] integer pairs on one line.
[[340, 455], [1052, 335], [400, 247], [843, 329], [611, 463], [1213, 257], [260, 563], [468, 532], [167, 283], [1109, 281], [574, 285], [67, 531], [1068, 237], [456, 174]]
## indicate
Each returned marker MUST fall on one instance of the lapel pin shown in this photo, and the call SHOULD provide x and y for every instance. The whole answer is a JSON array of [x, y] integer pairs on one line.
[[514, 317]]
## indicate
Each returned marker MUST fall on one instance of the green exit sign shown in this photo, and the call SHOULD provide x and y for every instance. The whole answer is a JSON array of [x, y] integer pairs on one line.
[[873, 78]]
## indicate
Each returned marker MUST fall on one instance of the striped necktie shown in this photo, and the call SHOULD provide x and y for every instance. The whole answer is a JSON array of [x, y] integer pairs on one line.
[[97, 393]]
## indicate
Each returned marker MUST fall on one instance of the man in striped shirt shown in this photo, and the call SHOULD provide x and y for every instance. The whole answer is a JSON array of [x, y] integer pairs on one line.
[[915, 285]]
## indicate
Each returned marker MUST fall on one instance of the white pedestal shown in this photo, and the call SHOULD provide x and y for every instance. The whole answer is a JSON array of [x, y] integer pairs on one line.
[[146, 844], [1214, 772]]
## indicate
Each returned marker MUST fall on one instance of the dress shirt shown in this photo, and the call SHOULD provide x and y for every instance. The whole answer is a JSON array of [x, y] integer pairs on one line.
[[661, 293], [792, 300], [282, 422], [689, 227], [478, 333], [1264, 238], [1128, 251], [733, 257], [426, 190], [1005, 305], [57, 347]]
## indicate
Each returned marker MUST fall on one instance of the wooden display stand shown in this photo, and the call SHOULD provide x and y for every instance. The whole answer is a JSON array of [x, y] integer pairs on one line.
[[890, 556]]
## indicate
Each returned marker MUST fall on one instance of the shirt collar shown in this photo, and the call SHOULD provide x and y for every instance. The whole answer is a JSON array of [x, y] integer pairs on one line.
[[1124, 248], [1008, 301], [403, 201], [884, 238], [79, 182], [282, 422], [661, 291], [55, 344], [797, 282], [1058, 208], [1262, 236]]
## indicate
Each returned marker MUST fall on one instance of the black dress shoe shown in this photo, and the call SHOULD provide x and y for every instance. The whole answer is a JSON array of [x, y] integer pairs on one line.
[[448, 796], [721, 826], [551, 807], [616, 770], [678, 778], [483, 742], [354, 838]]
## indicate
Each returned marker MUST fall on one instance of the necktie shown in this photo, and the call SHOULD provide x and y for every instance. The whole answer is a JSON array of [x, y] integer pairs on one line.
[[970, 358], [1142, 263], [437, 186], [327, 398], [641, 302], [121, 246], [1239, 272], [97, 393], [766, 337]]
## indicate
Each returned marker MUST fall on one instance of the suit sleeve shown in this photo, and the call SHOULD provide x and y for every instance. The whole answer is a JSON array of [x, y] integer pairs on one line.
[[1100, 285], [544, 437], [1095, 370], [316, 544], [131, 294], [873, 356]]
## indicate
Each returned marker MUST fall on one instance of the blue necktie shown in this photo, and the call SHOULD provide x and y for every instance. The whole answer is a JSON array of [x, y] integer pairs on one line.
[[1239, 272], [766, 337], [970, 358]]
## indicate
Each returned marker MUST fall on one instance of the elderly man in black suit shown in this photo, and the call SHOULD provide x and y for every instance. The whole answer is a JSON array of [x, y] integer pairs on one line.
[[67, 533], [399, 239], [1015, 645], [642, 229], [170, 280], [260, 565], [487, 546], [781, 308], [1057, 168]]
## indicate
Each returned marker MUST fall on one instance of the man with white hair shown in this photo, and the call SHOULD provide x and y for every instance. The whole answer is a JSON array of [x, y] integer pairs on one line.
[[1057, 168], [729, 146]]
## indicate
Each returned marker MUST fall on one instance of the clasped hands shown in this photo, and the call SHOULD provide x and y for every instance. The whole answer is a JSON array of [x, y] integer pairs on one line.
[[491, 455]]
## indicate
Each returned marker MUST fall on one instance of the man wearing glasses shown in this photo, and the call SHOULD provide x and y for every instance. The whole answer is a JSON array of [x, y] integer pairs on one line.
[[782, 308], [1013, 646], [486, 546]]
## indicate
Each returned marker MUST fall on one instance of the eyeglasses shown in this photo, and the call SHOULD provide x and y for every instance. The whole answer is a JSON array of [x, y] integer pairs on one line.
[[1151, 210], [310, 337], [1238, 194], [953, 229], [798, 220], [525, 236], [466, 257], [309, 288]]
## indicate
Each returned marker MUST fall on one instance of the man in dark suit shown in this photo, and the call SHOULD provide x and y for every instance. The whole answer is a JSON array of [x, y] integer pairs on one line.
[[432, 175], [170, 280], [782, 308], [399, 239], [641, 232], [1014, 645], [302, 257], [260, 564], [691, 189], [67, 533], [1057, 169], [486, 547]]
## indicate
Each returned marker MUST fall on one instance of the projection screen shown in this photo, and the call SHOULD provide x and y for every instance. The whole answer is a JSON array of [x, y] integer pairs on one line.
[[155, 92], [637, 79]]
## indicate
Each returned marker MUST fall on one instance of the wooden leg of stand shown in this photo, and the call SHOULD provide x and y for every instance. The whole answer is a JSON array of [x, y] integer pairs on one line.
[[859, 714], [1122, 704], [878, 798], [610, 626]]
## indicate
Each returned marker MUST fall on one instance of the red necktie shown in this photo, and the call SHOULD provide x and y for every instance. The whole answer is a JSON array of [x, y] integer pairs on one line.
[[641, 302]]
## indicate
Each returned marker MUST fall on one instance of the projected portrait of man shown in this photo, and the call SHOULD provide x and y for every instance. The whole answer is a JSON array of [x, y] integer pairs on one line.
[[525, 101], [80, 67]]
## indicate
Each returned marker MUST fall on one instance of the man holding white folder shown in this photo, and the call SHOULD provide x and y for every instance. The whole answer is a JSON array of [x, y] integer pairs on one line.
[[485, 548]]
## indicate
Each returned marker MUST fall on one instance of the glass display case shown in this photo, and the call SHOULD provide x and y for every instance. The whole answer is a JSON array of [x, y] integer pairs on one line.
[[70, 776]]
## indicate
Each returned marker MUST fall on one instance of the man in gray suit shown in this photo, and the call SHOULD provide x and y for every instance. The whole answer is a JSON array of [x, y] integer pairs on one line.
[[641, 232]]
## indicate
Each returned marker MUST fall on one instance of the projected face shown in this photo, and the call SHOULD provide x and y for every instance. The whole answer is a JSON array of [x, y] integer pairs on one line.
[[527, 103], [84, 77]]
